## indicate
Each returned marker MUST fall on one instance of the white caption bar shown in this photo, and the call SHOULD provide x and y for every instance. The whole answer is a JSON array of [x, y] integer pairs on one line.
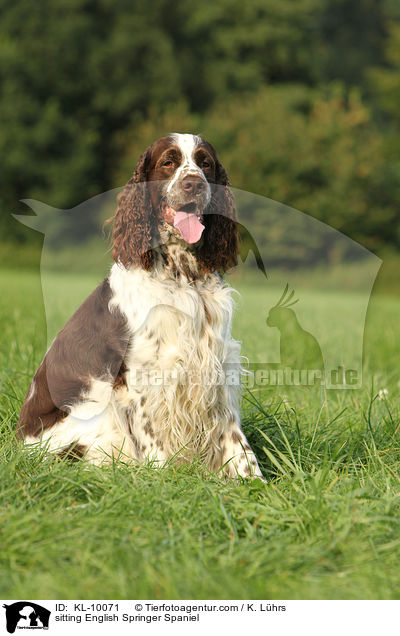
[[172, 617]]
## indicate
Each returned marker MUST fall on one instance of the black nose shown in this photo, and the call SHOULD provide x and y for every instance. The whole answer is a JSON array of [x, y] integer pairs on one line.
[[193, 185]]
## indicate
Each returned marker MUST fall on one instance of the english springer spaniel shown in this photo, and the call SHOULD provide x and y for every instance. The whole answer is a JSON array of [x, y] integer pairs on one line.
[[140, 370]]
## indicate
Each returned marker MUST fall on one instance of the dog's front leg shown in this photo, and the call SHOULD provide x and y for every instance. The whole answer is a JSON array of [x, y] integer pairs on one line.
[[237, 458]]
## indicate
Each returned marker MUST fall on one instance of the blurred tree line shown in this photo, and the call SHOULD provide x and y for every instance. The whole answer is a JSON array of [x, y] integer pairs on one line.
[[300, 97]]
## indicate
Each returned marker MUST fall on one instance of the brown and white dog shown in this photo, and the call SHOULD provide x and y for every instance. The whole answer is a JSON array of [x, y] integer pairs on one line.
[[139, 370]]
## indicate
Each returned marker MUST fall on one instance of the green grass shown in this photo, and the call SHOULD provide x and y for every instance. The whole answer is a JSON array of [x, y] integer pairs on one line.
[[326, 525]]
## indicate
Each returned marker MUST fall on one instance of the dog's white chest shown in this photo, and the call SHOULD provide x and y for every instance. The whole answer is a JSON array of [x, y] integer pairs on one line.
[[180, 340], [172, 322]]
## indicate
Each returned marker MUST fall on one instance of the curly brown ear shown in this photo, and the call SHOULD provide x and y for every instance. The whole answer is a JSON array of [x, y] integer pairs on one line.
[[219, 250], [133, 220]]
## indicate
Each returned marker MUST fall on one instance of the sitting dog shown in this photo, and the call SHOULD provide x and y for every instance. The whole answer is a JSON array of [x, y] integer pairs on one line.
[[139, 371]]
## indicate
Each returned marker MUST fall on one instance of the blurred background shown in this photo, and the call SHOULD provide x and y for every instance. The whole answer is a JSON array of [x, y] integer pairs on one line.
[[301, 98]]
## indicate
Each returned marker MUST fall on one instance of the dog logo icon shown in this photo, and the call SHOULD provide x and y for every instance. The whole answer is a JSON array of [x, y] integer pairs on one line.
[[26, 615]]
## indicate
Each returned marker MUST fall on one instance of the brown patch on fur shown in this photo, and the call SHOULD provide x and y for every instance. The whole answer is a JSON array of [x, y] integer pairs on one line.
[[120, 380], [92, 344], [134, 222], [184, 266], [142, 400], [139, 448], [148, 429], [179, 263], [219, 249], [73, 451], [236, 438]]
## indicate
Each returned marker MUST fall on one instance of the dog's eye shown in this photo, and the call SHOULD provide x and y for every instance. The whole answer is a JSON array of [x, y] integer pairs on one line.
[[168, 163], [205, 164]]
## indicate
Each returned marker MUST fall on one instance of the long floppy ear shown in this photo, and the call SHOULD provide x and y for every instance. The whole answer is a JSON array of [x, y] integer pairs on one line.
[[133, 220], [219, 250]]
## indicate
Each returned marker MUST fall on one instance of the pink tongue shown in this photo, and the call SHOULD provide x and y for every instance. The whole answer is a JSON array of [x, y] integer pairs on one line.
[[189, 226]]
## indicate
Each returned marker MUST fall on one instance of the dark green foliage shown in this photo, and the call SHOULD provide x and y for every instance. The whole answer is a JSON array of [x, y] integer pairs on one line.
[[84, 85], [72, 74], [353, 34]]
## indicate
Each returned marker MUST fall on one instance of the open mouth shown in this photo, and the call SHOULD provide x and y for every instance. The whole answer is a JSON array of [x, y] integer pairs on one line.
[[190, 208], [187, 219]]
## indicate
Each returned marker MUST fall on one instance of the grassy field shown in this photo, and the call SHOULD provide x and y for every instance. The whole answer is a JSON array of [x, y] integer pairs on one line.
[[325, 525]]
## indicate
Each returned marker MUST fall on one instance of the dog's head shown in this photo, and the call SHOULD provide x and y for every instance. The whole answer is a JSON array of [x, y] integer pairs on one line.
[[180, 185]]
